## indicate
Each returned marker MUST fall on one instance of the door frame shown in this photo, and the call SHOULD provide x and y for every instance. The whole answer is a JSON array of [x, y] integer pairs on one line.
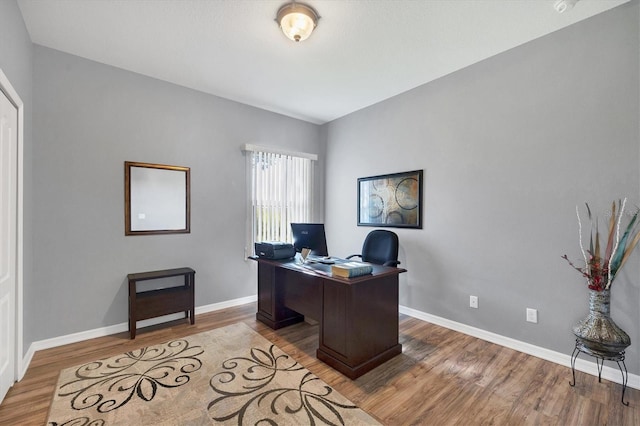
[[10, 92]]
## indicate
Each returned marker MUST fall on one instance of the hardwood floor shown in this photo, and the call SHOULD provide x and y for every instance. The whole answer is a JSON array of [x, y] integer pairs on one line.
[[441, 378]]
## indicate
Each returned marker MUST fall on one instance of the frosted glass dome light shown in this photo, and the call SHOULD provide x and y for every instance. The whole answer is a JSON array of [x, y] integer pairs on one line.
[[297, 20]]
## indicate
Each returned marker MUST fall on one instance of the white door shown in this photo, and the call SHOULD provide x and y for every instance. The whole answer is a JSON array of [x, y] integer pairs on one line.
[[8, 247]]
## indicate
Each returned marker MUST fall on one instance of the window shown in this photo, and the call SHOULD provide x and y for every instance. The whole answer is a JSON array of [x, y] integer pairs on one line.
[[280, 188]]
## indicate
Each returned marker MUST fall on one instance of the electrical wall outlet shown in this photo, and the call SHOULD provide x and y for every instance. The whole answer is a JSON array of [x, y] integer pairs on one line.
[[473, 302], [532, 315]]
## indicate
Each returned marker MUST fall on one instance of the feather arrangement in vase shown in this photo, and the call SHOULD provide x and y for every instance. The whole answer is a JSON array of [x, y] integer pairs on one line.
[[602, 268]]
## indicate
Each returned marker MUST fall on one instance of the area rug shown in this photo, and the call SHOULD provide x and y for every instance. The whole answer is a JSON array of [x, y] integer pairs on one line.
[[230, 375]]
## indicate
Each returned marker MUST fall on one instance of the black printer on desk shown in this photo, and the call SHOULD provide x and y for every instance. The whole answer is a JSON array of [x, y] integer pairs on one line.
[[274, 250]]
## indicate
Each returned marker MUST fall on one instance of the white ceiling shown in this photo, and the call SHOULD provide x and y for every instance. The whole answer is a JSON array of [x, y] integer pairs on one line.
[[362, 52]]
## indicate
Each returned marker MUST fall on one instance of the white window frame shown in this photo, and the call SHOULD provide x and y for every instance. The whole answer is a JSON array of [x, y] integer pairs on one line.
[[304, 215]]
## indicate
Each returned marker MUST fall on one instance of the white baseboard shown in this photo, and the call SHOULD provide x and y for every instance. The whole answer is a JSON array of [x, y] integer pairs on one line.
[[119, 328], [589, 367], [583, 365]]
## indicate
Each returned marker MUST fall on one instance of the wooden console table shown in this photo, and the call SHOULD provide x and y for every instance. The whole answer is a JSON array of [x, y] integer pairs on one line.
[[358, 317], [165, 301]]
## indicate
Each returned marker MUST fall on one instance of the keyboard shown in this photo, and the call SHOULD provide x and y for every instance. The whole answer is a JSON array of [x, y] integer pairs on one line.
[[328, 260]]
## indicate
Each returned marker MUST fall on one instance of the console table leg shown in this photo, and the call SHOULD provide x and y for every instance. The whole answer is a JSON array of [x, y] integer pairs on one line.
[[132, 310], [192, 288]]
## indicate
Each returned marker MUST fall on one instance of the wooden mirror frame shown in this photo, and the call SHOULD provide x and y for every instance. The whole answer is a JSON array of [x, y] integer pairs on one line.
[[160, 229]]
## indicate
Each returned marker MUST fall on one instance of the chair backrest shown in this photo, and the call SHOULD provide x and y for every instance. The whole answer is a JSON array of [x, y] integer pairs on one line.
[[380, 246]]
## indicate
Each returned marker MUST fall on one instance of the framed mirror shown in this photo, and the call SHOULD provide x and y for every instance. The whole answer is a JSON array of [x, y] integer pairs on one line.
[[156, 199]]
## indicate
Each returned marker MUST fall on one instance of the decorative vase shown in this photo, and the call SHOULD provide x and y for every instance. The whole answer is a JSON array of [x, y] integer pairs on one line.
[[598, 333]]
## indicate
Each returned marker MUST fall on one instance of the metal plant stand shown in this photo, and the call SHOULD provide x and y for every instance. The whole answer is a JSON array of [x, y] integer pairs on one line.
[[601, 357]]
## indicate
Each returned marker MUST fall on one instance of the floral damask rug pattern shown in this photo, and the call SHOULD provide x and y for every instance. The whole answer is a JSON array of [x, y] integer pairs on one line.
[[230, 375]]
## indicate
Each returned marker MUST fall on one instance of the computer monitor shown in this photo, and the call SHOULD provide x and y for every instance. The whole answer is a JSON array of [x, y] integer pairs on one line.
[[311, 236]]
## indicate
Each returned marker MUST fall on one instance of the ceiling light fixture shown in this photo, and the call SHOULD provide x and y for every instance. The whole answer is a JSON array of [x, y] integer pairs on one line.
[[562, 6], [297, 20]]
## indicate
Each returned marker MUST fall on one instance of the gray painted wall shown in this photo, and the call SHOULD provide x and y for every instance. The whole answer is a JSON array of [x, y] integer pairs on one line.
[[509, 147], [89, 119], [16, 61]]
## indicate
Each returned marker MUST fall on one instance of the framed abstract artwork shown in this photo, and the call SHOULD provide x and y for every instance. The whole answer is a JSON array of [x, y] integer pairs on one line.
[[393, 200]]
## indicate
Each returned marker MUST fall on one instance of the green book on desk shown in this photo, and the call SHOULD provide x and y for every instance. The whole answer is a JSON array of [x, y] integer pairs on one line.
[[351, 269]]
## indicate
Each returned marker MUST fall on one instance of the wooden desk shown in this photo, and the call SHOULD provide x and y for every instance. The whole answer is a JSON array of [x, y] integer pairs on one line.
[[358, 317], [165, 301]]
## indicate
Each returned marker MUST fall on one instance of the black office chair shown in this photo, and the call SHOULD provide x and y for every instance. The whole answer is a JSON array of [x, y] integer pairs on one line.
[[380, 247]]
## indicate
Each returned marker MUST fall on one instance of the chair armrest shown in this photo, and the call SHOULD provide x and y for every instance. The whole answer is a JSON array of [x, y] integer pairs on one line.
[[391, 263], [354, 255]]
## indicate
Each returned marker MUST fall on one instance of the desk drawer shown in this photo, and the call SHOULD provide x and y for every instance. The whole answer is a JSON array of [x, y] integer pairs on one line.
[[302, 293]]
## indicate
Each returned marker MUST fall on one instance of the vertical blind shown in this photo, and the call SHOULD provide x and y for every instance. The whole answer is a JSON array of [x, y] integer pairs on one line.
[[281, 193]]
